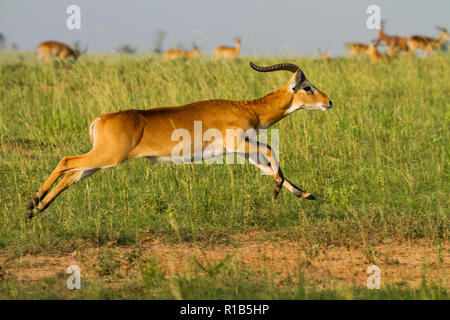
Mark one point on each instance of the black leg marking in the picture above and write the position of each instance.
(277, 188)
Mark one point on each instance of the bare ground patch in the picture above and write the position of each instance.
(406, 263)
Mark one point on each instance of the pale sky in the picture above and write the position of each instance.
(279, 27)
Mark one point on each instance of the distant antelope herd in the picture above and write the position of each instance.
(49, 49)
(396, 45)
(173, 54)
(220, 52)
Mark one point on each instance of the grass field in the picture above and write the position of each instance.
(377, 163)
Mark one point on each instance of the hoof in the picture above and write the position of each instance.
(276, 191)
(31, 213)
(33, 203)
(308, 196)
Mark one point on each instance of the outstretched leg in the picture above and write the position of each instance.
(261, 155)
(74, 168)
(68, 179)
(111, 147)
(266, 168)
(67, 163)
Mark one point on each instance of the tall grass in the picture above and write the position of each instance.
(377, 162)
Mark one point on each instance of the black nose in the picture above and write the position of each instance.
(330, 103)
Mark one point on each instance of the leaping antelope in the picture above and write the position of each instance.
(229, 52)
(356, 49)
(427, 43)
(129, 134)
(178, 54)
(48, 49)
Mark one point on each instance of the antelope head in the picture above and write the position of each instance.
(195, 52)
(304, 94)
(78, 51)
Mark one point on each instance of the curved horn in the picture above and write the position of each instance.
(281, 66)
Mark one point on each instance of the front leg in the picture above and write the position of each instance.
(262, 156)
(266, 168)
(262, 153)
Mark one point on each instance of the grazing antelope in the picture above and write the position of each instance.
(356, 49)
(229, 52)
(427, 43)
(49, 49)
(124, 135)
(178, 54)
(394, 43)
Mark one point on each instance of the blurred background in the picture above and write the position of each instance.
(283, 27)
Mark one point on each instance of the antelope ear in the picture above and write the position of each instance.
(296, 80)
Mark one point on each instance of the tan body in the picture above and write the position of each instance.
(356, 49)
(173, 54)
(49, 49)
(124, 135)
(427, 43)
(228, 52)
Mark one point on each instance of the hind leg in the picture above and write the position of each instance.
(68, 179)
(75, 168)
(57, 172)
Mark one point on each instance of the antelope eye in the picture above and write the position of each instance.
(307, 88)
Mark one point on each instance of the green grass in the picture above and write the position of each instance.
(377, 162)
